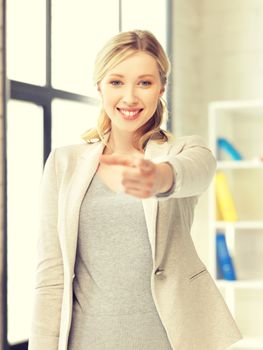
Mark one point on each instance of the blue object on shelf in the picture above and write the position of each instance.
(229, 148)
(224, 260)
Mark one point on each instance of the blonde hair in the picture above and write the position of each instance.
(117, 49)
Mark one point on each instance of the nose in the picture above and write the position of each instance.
(130, 97)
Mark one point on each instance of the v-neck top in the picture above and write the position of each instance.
(113, 308)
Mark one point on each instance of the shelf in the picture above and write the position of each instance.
(241, 123)
(239, 164)
(249, 343)
(239, 105)
(251, 225)
(245, 284)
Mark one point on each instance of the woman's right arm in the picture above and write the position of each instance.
(45, 327)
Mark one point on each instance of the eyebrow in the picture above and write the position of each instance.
(140, 76)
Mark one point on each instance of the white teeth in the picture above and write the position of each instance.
(129, 113)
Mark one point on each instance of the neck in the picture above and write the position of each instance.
(121, 142)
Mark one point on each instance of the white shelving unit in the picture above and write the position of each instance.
(241, 123)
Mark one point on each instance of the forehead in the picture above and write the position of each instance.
(140, 63)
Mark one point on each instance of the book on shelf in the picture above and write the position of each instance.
(225, 265)
(225, 202)
(229, 148)
(218, 212)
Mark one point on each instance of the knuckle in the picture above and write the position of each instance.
(150, 185)
(124, 174)
(146, 193)
(142, 162)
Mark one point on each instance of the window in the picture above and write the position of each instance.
(24, 168)
(26, 35)
(69, 120)
(78, 32)
(136, 15)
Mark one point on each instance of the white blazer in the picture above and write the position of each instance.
(189, 304)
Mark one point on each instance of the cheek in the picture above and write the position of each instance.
(109, 99)
(153, 101)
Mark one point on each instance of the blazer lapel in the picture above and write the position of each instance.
(86, 167)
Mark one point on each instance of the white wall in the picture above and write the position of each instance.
(232, 46)
(218, 55)
(186, 66)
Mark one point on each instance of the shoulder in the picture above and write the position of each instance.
(188, 139)
(71, 153)
(178, 144)
(74, 150)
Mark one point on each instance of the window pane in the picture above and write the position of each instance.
(26, 41)
(24, 171)
(70, 120)
(136, 15)
(79, 29)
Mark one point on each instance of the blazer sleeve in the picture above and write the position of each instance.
(48, 292)
(193, 165)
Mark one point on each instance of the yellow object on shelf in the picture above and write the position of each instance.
(218, 212)
(225, 202)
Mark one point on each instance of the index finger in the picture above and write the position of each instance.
(114, 159)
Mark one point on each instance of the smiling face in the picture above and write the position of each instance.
(130, 92)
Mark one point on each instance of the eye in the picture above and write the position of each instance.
(115, 82)
(145, 83)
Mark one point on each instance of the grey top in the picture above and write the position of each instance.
(113, 308)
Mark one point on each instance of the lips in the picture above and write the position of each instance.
(130, 113)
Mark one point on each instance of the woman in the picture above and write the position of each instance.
(117, 268)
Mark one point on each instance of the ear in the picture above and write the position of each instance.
(162, 91)
(98, 88)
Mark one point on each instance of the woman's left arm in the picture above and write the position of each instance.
(193, 167)
(185, 171)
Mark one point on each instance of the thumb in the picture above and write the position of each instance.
(146, 166)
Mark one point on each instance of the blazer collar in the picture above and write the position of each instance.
(85, 170)
(152, 150)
